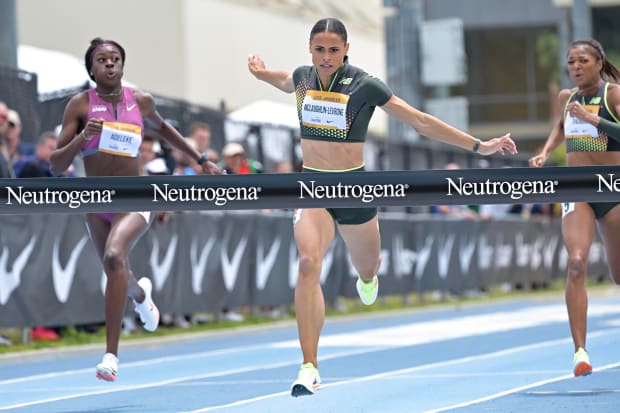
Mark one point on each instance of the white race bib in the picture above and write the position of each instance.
(576, 127)
(327, 110)
(120, 139)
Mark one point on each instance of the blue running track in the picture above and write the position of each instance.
(509, 356)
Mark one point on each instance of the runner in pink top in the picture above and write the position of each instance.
(127, 111)
(105, 125)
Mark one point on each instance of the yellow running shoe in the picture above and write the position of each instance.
(581, 361)
(308, 381)
(368, 290)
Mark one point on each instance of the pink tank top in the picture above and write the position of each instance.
(123, 131)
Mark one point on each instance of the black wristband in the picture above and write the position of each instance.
(203, 158)
(476, 146)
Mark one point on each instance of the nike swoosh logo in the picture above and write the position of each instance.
(63, 277)
(10, 281)
(130, 107)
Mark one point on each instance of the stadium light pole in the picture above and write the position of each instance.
(8, 33)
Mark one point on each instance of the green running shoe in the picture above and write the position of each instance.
(368, 290)
(308, 381)
(581, 361)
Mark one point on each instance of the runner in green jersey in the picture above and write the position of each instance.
(335, 102)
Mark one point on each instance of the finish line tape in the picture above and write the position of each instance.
(310, 190)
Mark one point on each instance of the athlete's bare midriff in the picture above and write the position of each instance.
(592, 158)
(327, 155)
(104, 164)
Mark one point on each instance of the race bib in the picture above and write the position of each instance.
(326, 110)
(120, 138)
(577, 127)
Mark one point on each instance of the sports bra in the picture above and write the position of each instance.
(580, 135)
(122, 131)
(341, 113)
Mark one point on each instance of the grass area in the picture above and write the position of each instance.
(343, 307)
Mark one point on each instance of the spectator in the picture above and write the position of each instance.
(41, 159)
(6, 170)
(184, 163)
(150, 149)
(234, 160)
(16, 148)
(200, 132)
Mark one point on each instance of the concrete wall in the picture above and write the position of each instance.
(189, 49)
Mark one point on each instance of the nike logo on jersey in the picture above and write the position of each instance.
(130, 107)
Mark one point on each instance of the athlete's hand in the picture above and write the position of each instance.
(577, 110)
(211, 168)
(256, 65)
(93, 127)
(538, 160)
(501, 144)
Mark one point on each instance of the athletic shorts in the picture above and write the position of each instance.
(600, 208)
(348, 216)
(109, 216)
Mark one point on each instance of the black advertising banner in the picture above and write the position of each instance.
(50, 273)
(310, 190)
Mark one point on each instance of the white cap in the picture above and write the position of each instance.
(233, 148)
(14, 117)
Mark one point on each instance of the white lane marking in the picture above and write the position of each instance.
(147, 362)
(458, 327)
(515, 390)
(172, 381)
(388, 374)
(524, 318)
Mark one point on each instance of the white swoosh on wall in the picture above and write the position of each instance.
(9, 281)
(161, 271)
(199, 263)
(63, 277)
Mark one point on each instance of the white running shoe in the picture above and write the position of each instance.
(149, 314)
(581, 363)
(308, 381)
(106, 370)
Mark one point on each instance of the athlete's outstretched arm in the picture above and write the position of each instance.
(435, 128)
(170, 134)
(281, 79)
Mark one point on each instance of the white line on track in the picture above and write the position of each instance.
(515, 390)
(409, 370)
(165, 382)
